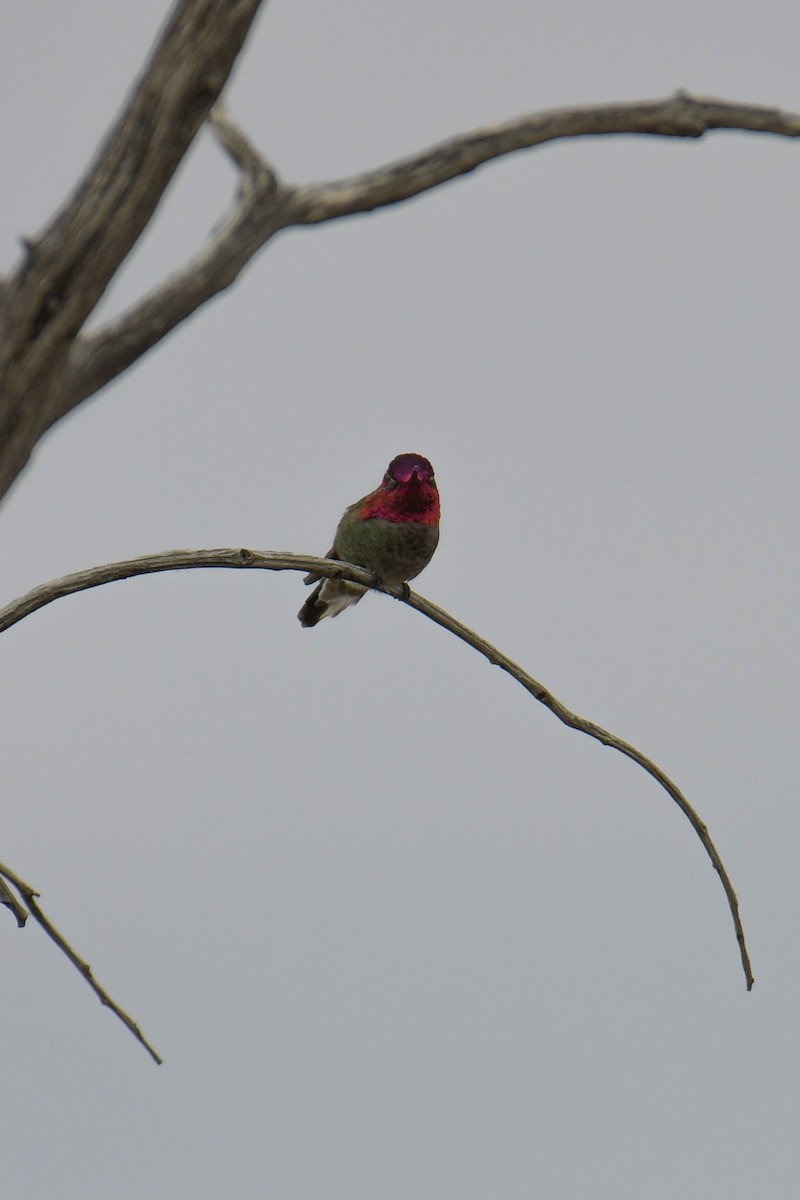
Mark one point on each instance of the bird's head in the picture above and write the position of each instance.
(407, 492)
(409, 468)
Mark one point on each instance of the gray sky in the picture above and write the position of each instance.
(397, 933)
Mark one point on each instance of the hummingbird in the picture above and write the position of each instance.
(392, 532)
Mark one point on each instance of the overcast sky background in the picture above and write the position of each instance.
(398, 934)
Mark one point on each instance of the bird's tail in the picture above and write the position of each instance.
(328, 599)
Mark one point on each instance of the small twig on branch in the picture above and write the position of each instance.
(30, 898)
(178, 560)
(258, 177)
(9, 900)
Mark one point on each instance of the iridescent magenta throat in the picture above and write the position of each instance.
(416, 500)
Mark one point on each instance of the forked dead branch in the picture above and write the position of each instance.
(48, 366)
(266, 204)
(181, 560)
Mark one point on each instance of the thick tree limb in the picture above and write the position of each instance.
(66, 270)
(179, 560)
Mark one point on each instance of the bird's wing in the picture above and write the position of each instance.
(313, 576)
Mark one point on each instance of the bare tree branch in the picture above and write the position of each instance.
(179, 560)
(30, 898)
(266, 205)
(65, 271)
(680, 116)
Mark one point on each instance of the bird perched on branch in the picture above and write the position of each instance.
(392, 532)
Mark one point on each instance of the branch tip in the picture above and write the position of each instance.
(30, 896)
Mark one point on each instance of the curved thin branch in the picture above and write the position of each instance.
(31, 898)
(546, 697)
(266, 205)
(179, 560)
